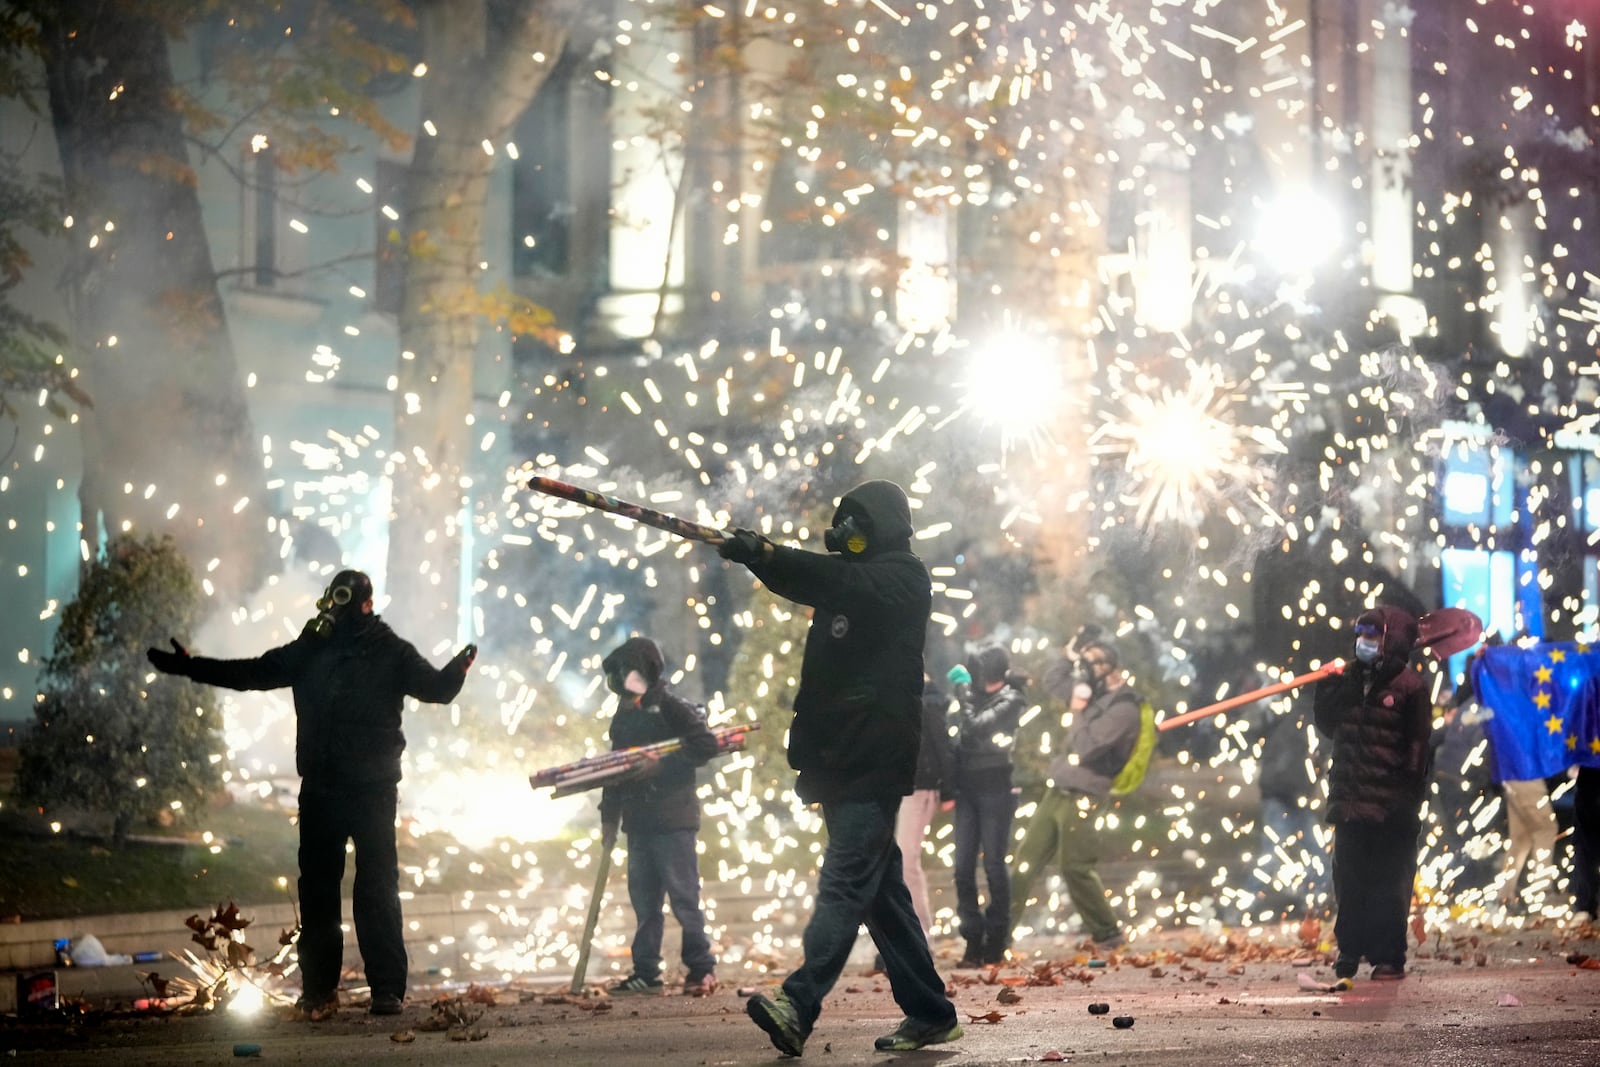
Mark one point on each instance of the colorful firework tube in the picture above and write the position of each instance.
(1255, 694)
(691, 531)
(606, 768)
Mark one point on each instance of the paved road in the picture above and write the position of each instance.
(1524, 1003)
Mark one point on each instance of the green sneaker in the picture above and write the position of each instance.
(912, 1034)
(779, 1019)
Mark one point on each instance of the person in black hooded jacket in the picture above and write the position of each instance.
(660, 813)
(990, 705)
(350, 674)
(854, 741)
(1379, 719)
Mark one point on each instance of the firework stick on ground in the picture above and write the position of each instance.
(1255, 694)
(602, 871)
(692, 531)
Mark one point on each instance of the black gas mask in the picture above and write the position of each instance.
(340, 602)
(848, 534)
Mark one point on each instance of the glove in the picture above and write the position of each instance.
(958, 675)
(174, 662)
(463, 659)
(744, 546)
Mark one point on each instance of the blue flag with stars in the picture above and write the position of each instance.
(1546, 704)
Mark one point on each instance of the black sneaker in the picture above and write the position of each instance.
(700, 985)
(385, 1004)
(1346, 966)
(779, 1019)
(911, 1035)
(1388, 972)
(637, 984)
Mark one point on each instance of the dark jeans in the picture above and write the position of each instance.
(983, 825)
(329, 818)
(1374, 866)
(1586, 842)
(862, 881)
(662, 865)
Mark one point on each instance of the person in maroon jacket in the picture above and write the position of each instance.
(1379, 719)
(350, 674)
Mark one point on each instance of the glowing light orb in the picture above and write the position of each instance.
(1015, 383)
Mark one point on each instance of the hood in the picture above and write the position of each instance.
(989, 666)
(1399, 630)
(885, 506)
(636, 654)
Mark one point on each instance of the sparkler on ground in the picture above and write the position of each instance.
(609, 768)
(692, 531)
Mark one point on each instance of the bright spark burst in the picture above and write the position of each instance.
(1185, 449)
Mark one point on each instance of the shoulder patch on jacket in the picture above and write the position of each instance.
(840, 627)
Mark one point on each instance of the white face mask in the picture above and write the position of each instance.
(1367, 649)
(635, 683)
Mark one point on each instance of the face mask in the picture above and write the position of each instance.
(633, 683)
(846, 536)
(1368, 649)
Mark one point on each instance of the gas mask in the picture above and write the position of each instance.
(847, 535)
(347, 588)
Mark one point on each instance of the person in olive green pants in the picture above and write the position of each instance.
(1105, 726)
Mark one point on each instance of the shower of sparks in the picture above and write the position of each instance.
(1183, 448)
(1022, 114)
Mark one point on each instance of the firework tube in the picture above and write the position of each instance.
(602, 871)
(609, 767)
(1255, 694)
(691, 531)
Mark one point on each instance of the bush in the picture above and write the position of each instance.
(111, 737)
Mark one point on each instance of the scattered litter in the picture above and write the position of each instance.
(1123, 1022)
(245, 1048)
(403, 1037)
(1099, 1009)
(1311, 985)
(1007, 995)
(1053, 1056)
(1508, 1000)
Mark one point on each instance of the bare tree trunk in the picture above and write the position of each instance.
(482, 74)
(169, 406)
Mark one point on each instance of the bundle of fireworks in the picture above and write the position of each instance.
(609, 768)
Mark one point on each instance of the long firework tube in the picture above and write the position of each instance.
(692, 531)
(602, 871)
(1255, 694)
(606, 767)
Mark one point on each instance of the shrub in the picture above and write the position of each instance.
(111, 737)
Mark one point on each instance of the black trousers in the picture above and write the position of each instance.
(1586, 842)
(329, 818)
(1374, 866)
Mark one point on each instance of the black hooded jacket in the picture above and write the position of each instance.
(986, 724)
(858, 713)
(667, 800)
(349, 691)
(935, 754)
(1379, 720)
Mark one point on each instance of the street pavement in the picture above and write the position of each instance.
(1510, 998)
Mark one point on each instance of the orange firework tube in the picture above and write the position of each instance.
(1255, 694)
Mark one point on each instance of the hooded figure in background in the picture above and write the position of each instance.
(350, 674)
(990, 706)
(660, 813)
(1378, 719)
(854, 741)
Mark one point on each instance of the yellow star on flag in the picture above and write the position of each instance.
(1541, 699)
(1594, 746)
(1553, 724)
(1558, 655)
(1543, 674)
(1572, 742)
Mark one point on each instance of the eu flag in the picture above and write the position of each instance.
(1546, 704)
